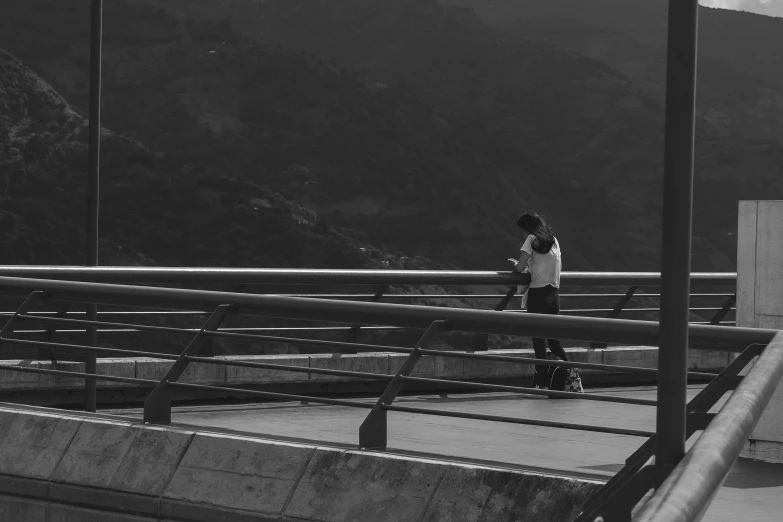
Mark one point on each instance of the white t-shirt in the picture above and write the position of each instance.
(544, 268)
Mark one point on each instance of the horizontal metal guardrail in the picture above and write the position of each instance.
(466, 320)
(736, 419)
(340, 312)
(380, 281)
(158, 405)
(176, 275)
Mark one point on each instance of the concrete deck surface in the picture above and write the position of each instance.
(752, 492)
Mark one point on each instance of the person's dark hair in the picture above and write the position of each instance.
(534, 224)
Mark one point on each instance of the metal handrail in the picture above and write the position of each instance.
(688, 491)
(283, 276)
(725, 434)
(466, 320)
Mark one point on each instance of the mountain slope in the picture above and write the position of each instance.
(370, 156)
(740, 89)
(149, 215)
(581, 102)
(417, 123)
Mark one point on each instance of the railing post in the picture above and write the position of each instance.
(480, 340)
(96, 43)
(373, 431)
(677, 221)
(157, 407)
(353, 334)
(615, 313)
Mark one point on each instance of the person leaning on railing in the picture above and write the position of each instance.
(540, 255)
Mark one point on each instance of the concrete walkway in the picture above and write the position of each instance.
(752, 492)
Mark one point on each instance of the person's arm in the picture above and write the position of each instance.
(519, 265)
(524, 256)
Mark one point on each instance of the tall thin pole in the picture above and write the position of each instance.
(677, 221)
(96, 34)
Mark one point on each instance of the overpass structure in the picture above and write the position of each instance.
(97, 467)
(52, 303)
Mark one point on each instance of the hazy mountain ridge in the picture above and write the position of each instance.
(590, 122)
(451, 127)
(148, 217)
(740, 91)
(337, 141)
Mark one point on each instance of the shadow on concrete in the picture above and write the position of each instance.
(752, 474)
(746, 474)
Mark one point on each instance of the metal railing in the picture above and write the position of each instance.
(613, 502)
(688, 491)
(386, 285)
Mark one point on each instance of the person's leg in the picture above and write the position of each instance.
(557, 349)
(539, 370)
(536, 305)
(551, 303)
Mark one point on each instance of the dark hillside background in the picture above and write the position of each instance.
(353, 133)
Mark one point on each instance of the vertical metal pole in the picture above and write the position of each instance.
(677, 219)
(96, 33)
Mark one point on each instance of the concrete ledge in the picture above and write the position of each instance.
(357, 486)
(362, 362)
(381, 363)
(122, 457)
(763, 450)
(33, 445)
(27, 510)
(22, 509)
(240, 375)
(95, 469)
(239, 473)
(472, 493)
(11, 380)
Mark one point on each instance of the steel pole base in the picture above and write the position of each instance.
(157, 407)
(373, 431)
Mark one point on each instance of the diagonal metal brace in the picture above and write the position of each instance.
(157, 407)
(33, 299)
(373, 431)
(718, 317)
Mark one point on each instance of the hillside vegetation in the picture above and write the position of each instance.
(152, 214)
(423, 127)
(576, 89)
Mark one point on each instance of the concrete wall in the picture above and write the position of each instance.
(760, 304)
(82, 467)
(380, 363)
(760, 264)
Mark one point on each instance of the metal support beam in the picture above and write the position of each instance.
(33, 299)
(373, 432)
(96, 30)
(96, 34)
(677, 221)
(718, 317)
(157, 407)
